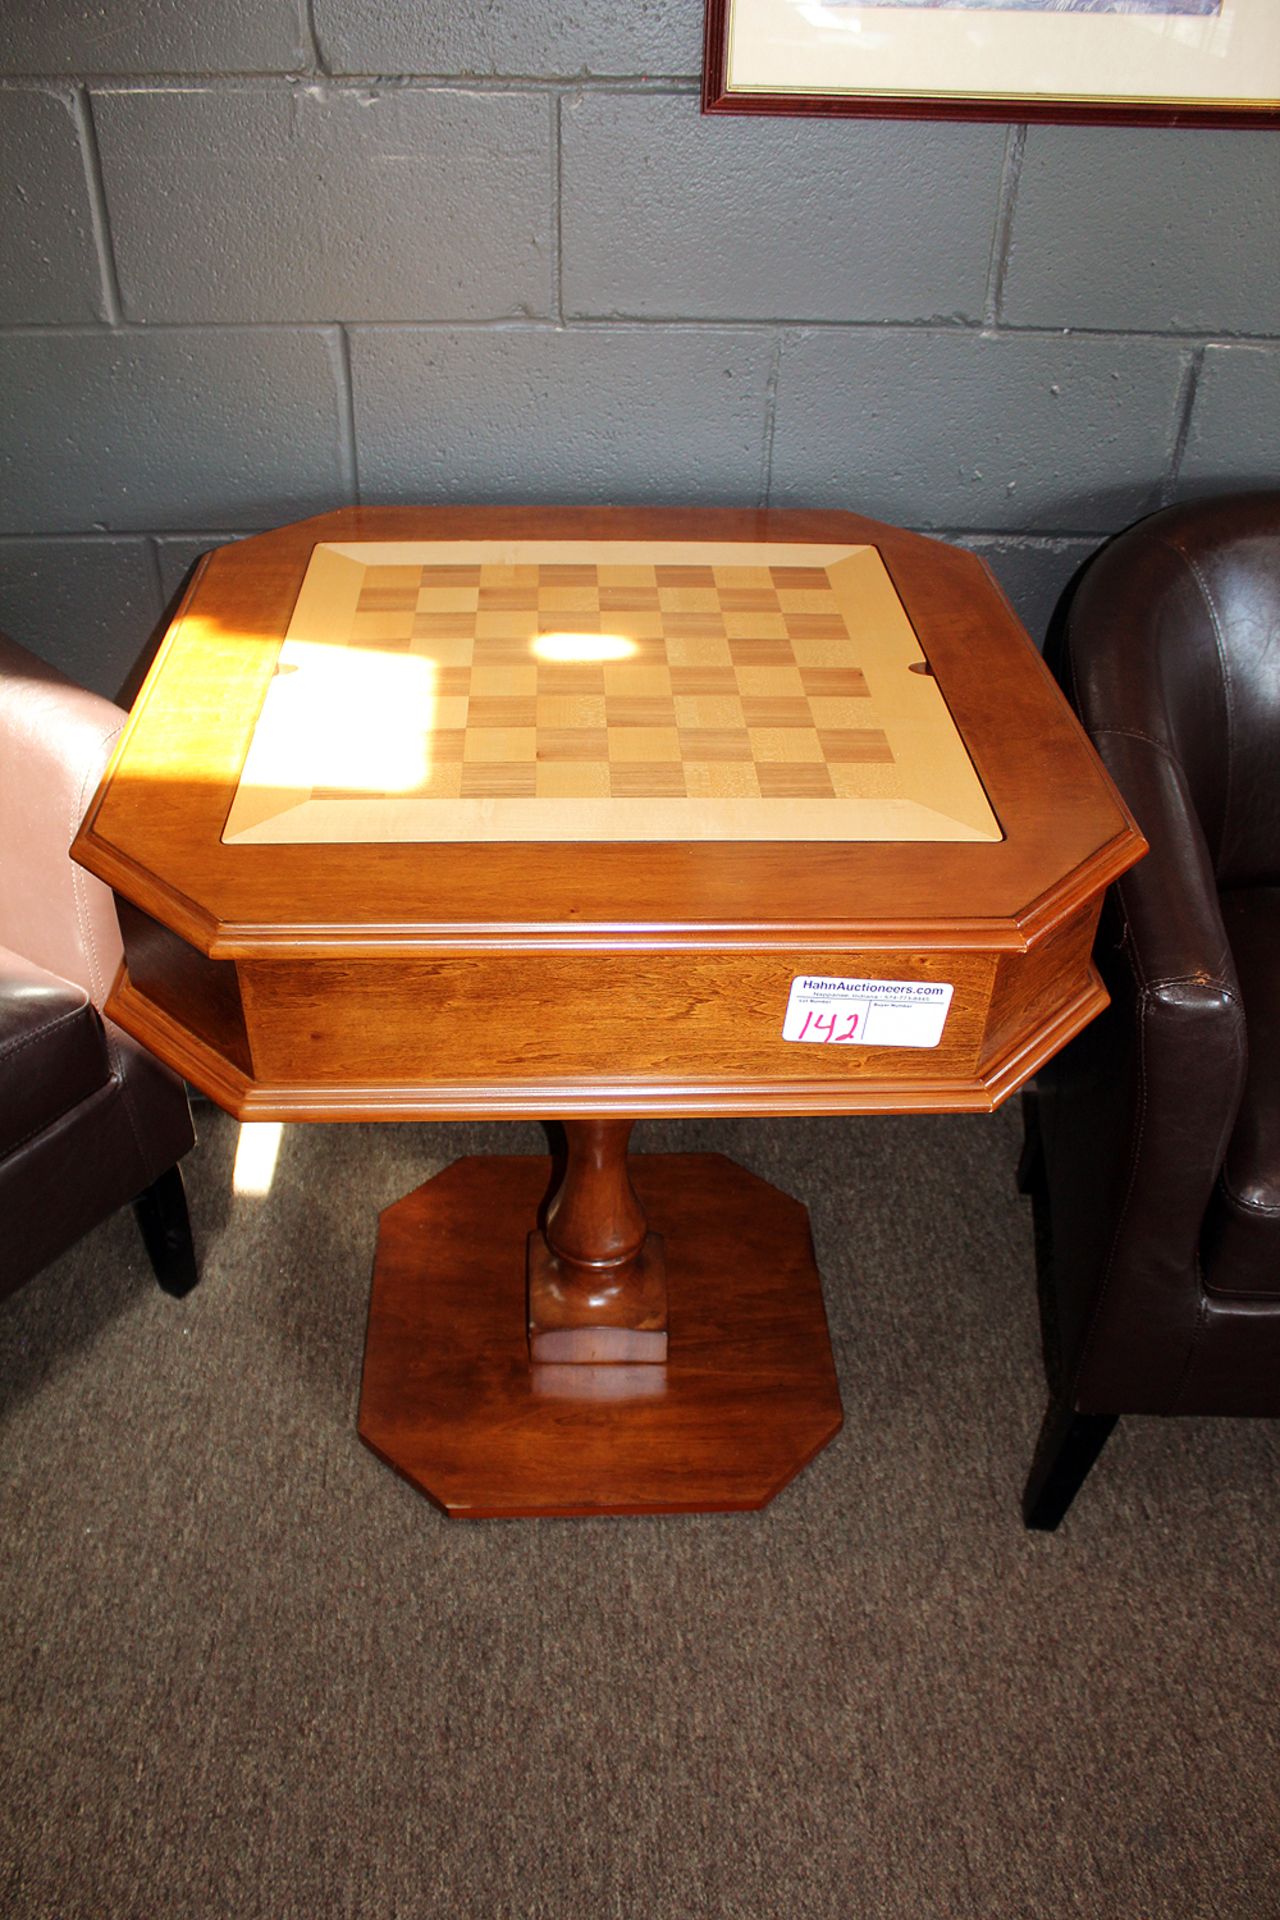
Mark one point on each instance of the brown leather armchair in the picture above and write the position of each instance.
(88, 1120)
(1153, 1141)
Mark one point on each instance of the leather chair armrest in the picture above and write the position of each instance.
(55, 739)
(1175, 967)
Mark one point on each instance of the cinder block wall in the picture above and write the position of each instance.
(263, 257)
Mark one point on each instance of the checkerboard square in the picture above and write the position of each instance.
(703, 680)
(493, 745)
(639, 710)
(708, 710)
(785, 745)
(836, 683)
(781, 780)
(575, 678)
(684, 576)
(833, 714)
(628, 599)
(502, 710)
(570, 710)
(572, 780)
(765, 683)
(714, 743)
(773, 711)
(849, 743)
(497, 780)
(643, 780)
(643, 743)
(503, 682)
(814, 578)
(573, 743)
(721, 779)
(626, 679)
(563, 600)
(449, 714)
(508, 599)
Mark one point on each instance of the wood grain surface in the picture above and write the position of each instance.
(747, 1398)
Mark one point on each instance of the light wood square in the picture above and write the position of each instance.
(568, 600)
(795, 744)
(709, 651)
(445, 652)
(527, 575)
(638, 623)
(449, 713)
(448, 599)
(865, 780)
(839, 713)
(444, 782)
(626, 677)
(688, 599)
(754, 626)
(626, 577)
(392, 577)
(653, 744)
(708, 710)
(721, 779)
(744, 577)
(570, 710)
(823, 653)
(495, 745)
(572, 780)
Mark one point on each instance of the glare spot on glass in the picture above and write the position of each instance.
(584, 647)
(256, 1154)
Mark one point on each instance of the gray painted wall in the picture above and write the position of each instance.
(245, 278)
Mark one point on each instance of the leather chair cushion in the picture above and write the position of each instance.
(1242, 1231)
(53, 1051)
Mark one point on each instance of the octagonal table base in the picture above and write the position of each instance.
(450, 1398)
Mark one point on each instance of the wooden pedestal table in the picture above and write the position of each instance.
(587, 815)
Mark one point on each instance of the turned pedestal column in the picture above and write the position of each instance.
(597, 1276)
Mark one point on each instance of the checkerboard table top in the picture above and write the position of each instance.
(608, 691)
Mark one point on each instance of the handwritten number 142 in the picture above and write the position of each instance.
(835, 1027)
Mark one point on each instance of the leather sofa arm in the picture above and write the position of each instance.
(55, 739)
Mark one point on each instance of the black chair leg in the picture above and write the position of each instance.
(161, 1213)
(1069, 1444)
(1030, 1174)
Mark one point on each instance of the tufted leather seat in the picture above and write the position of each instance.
(88, 1120)
(1153, 1144)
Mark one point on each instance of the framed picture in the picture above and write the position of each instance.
(1171, 62)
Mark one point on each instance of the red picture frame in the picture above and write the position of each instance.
(735, 43)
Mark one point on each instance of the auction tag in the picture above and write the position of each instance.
(867, 1013)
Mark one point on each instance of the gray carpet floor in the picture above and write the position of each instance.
(249, 1672)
